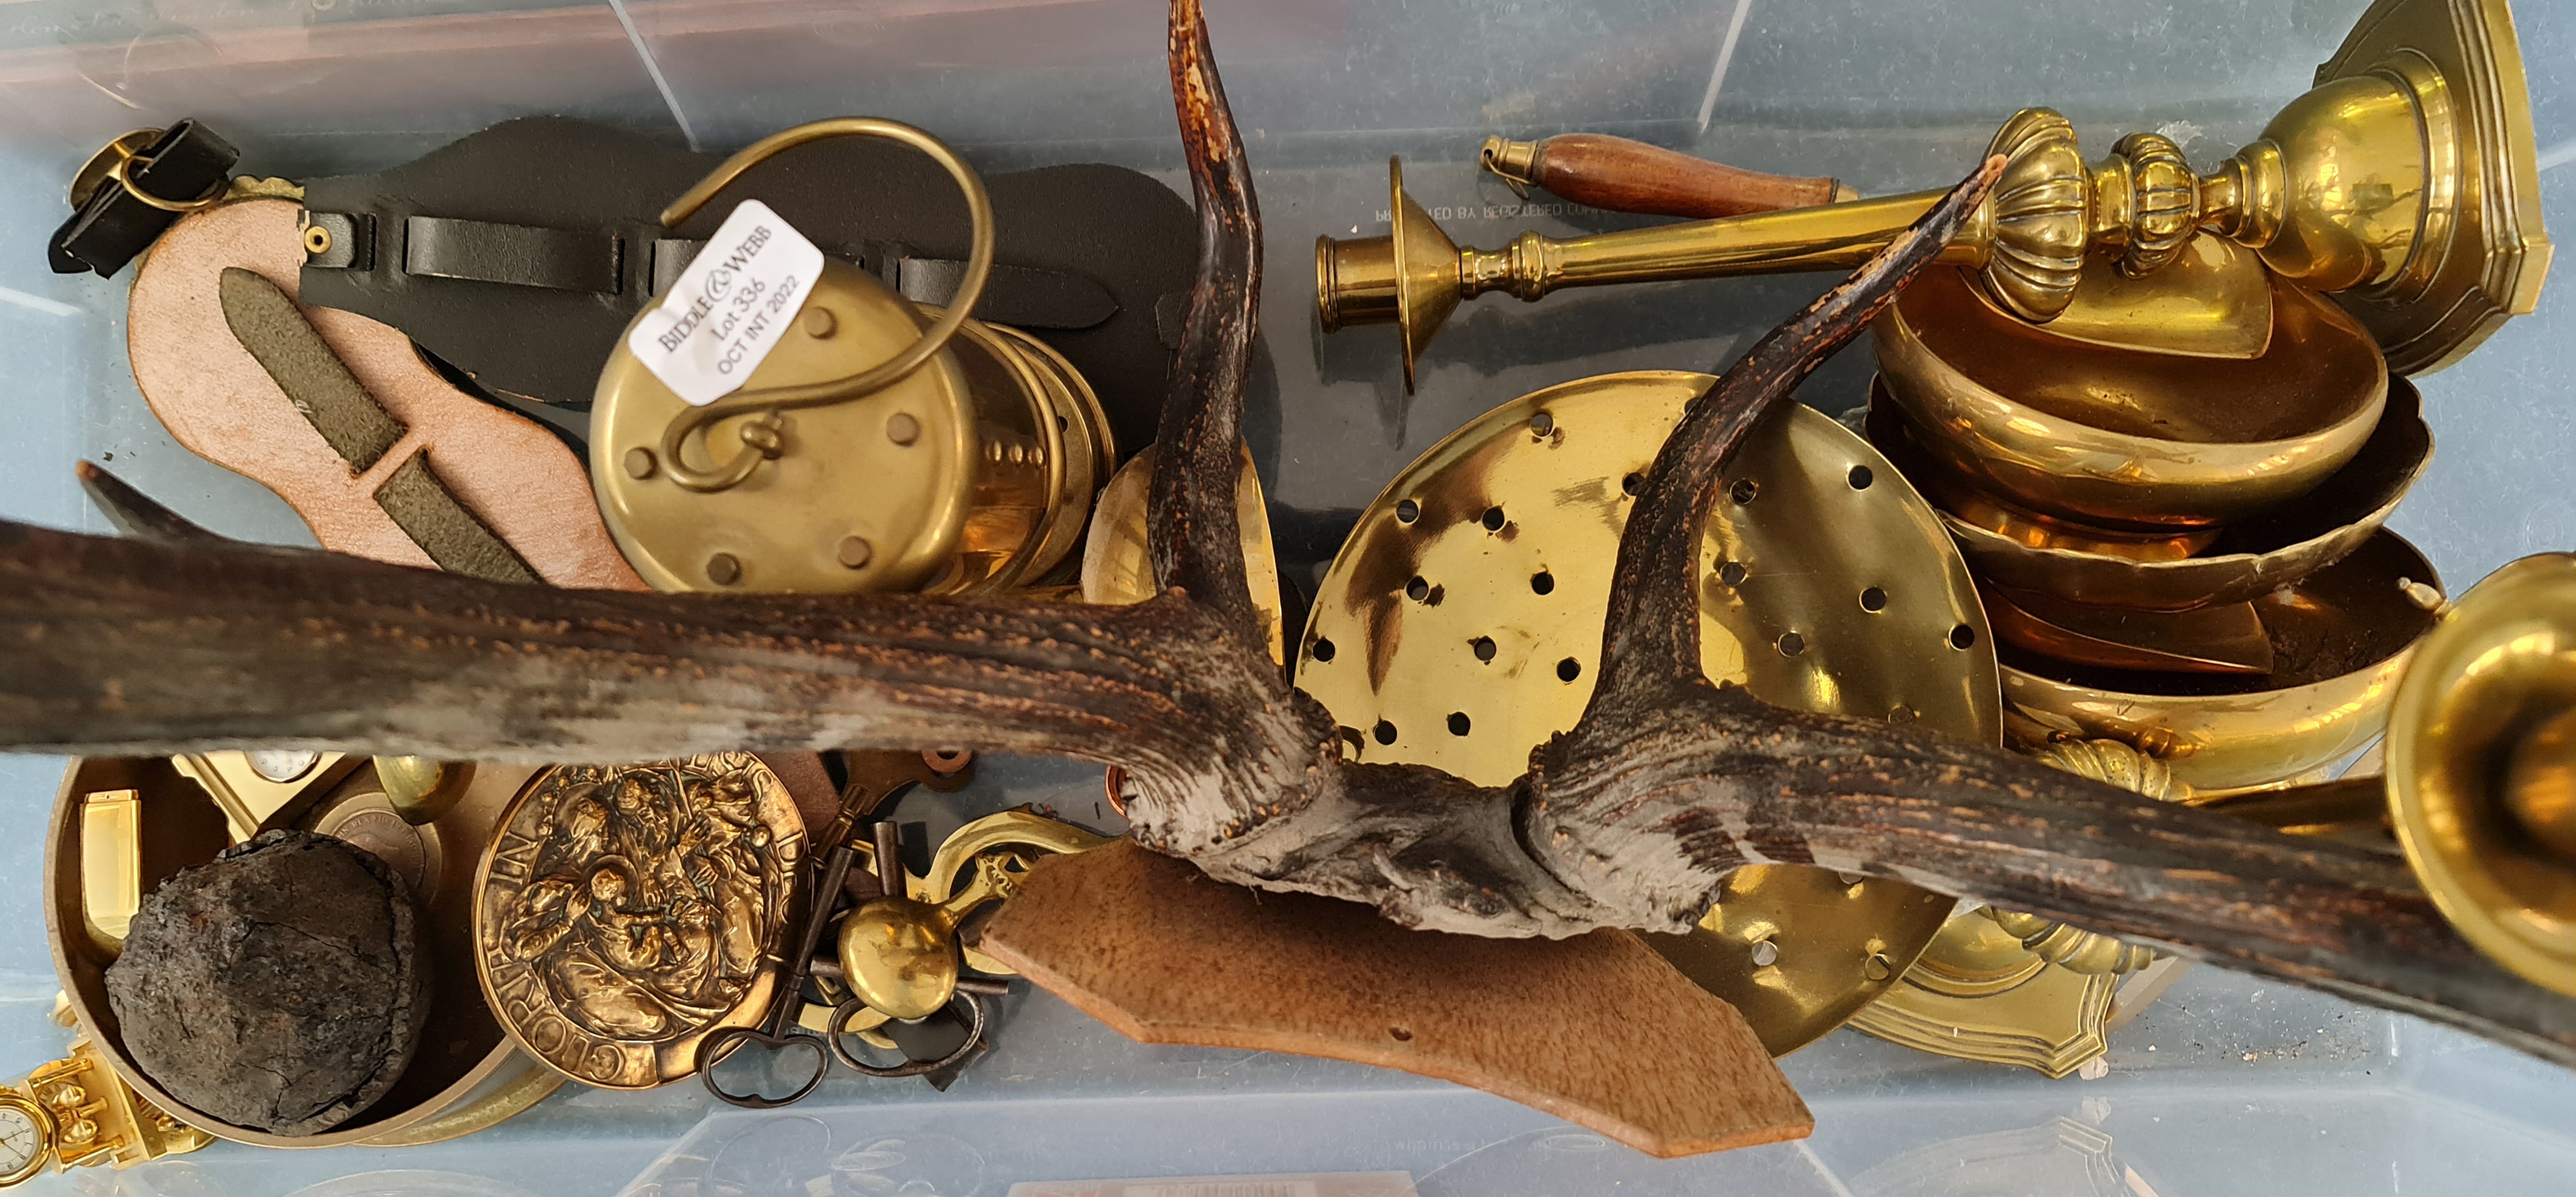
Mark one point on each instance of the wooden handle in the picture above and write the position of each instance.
(1631, 176)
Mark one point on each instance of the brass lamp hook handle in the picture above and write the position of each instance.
(760, 437)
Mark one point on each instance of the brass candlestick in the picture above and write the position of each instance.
(2405, 181)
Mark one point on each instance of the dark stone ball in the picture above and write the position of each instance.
(280, 987)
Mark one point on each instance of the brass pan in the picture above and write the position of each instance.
(2341, 638)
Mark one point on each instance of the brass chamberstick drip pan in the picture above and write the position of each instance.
(1461, 627)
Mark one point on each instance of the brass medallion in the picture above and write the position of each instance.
(623, 913)
(1461, 626)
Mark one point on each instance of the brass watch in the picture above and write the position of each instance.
(74, 1112)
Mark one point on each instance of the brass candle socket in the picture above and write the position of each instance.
(2405, 180)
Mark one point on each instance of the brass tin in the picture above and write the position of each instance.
(1461, 626)
(970, 475)
(462, 1048)
(2245, 562)
(2484, 712)
(2341, 638)
(2124, 439)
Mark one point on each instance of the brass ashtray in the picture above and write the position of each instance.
(2340, 639)
(2244, 561)
(1461, 626)
(2125, 439)
(466, 1074)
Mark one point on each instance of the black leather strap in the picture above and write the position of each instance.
(517, 254)
(1086, 253)
(1024, 297)
(186, 162)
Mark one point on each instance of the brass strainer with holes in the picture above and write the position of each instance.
(1461, 626)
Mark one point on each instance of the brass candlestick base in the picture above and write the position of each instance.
(2405, 181)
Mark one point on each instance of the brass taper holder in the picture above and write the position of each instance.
(2405, 181)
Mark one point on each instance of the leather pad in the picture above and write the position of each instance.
(516, 477)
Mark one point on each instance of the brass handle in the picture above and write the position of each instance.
(1621, 175)
(760, 438)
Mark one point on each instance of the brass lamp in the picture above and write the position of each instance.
(2405, 182)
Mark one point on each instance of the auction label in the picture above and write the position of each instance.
(729, 307)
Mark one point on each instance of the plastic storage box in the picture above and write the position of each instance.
(2228, 1085)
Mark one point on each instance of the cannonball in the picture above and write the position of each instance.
(280, 987)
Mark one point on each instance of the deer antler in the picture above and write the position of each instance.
(1667, 782)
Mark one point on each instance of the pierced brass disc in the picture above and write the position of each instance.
(1461, 627)
(970, 475)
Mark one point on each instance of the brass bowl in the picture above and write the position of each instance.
(465, 1075)
(2340, 640)
(2244, 562)
(2124, 439)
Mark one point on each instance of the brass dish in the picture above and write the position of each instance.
(1461, 627)
(1960, 501)
(2482, 767)
(2245, 562)
(2340, 639)
(2125, 439)
(182, 826)
(1115, 566)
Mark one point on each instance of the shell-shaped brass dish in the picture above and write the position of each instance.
(456, 1083)
(1461, 626)
(2126, 439)
(2245, 562)
(2341, 638)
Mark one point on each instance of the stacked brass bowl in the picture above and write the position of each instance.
(2181, 556)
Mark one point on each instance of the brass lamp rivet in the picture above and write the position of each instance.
(1765, 954)
(640, 463)
(724, 569)
(820, 323)
(1878, 967)
(856, 552)
(903, 428)
(317, 239)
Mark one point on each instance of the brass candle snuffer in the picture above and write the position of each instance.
(2405, 182)
(867, 453)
